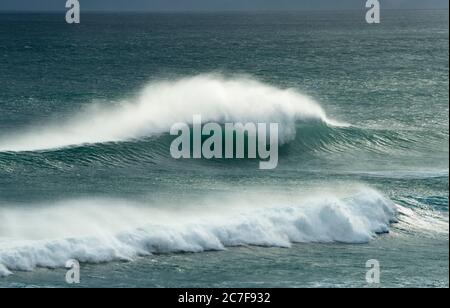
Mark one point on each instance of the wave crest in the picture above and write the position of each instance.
(162, 104)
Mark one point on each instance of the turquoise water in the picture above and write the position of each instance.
(86, 173)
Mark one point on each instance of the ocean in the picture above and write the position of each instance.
(86, 172)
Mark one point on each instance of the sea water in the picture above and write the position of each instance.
(86, 171)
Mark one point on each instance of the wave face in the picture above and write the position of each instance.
(162, 104)
(310, 140)
(105, 230)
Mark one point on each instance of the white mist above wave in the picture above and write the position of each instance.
(101, 231)
(162, 104)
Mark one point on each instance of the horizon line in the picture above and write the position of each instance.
(221, 11)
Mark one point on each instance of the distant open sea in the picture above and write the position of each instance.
(86, 172)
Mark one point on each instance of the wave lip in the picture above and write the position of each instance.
(101, 231)
(162, 104)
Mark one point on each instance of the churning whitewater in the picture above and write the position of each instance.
(107, 230)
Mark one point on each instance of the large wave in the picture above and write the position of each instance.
(162, 104)
(313, 140)
(105, 230)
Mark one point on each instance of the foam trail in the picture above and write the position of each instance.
(162, 104)
(423, 221)
(101, 231)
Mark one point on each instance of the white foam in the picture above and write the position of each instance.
(4, 271)
(162, 104)
(101, 230)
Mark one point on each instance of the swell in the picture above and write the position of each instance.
(311, 138)
(426, 214)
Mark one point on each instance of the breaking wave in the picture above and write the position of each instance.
(162, 104)
(107, 230)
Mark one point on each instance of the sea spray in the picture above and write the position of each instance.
(162, 104)
(105, 230)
